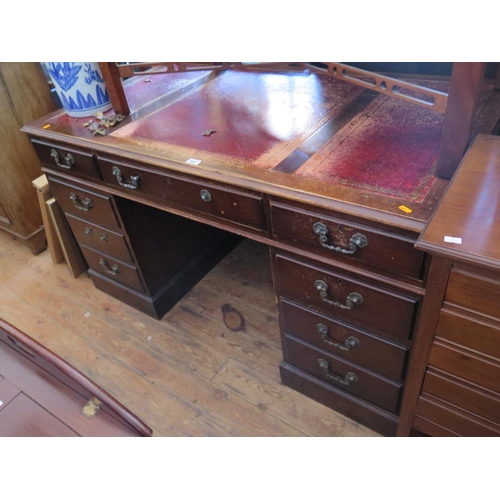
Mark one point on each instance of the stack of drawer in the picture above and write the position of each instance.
(461, 390)
(95, 222)
(346, 337)
(146, 257)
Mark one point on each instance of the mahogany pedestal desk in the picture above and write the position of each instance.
(338, 180)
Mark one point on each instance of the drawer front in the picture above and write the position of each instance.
(458, 393)
(465, 364)
(475, 293)
(342, 402)
(239, 207)
(343, 241)
(350, 378)
(448, 417)
(357, 303)
(478, 336)
(93, 207)
(69, 160)
(102, 240)
(112, 268)
(352, 344)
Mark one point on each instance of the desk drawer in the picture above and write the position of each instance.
(115, 269)
(65, 159)
(354, 345)
(483, 337)
(457, 392)
(465, 364)
(347, 299)
(350, 378)
(239, 207)
(343, 241)
(453, 419)
(477, 293)
(100, 239)
(93, 207)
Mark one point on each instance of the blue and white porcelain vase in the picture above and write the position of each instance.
(80, 86)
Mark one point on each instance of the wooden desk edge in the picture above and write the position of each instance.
(114, 406)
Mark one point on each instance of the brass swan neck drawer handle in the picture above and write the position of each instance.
(133, 183)
(69, 161)
(114, 270)
(84, 205)
(358, 240)
(349, 378)
(349, 344)
(352, 299)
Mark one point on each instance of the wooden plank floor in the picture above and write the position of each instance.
(187, 375)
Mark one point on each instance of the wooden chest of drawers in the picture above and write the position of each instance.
(345, 336)
(461, 389)
(455, 373)
(142, 270)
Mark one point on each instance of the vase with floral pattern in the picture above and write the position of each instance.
(80, 86)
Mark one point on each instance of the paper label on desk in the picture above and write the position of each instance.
(452, 239)
(193, 161)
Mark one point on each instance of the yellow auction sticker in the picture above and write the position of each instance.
(406, 210)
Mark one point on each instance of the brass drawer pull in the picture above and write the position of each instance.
(347, 380)
(133, 183)
(205, 195)
(358, 240)
(352, 300)
(114, 270)
(348, 344)
(85, 205)
(69, 161)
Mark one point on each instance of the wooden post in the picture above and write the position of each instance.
(424, 336)
(114, 87)
(70, 249)
(42, 187)
(466, 79)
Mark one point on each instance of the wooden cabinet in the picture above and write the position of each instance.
(24, 96)
(457, 371)
(146, 257)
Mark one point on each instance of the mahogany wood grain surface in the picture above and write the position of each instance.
(382, 251)
(76, 161)
(91, 205)
(480, 294)
(102, 239)
(472, 332)
(463, 394)
(368, 386)
(381, 311)
(470, 209)
(454, 419)
(372, 352)
(466, 364)
(242, 207)
(462, 105)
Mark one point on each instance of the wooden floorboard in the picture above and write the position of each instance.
(186, 375)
